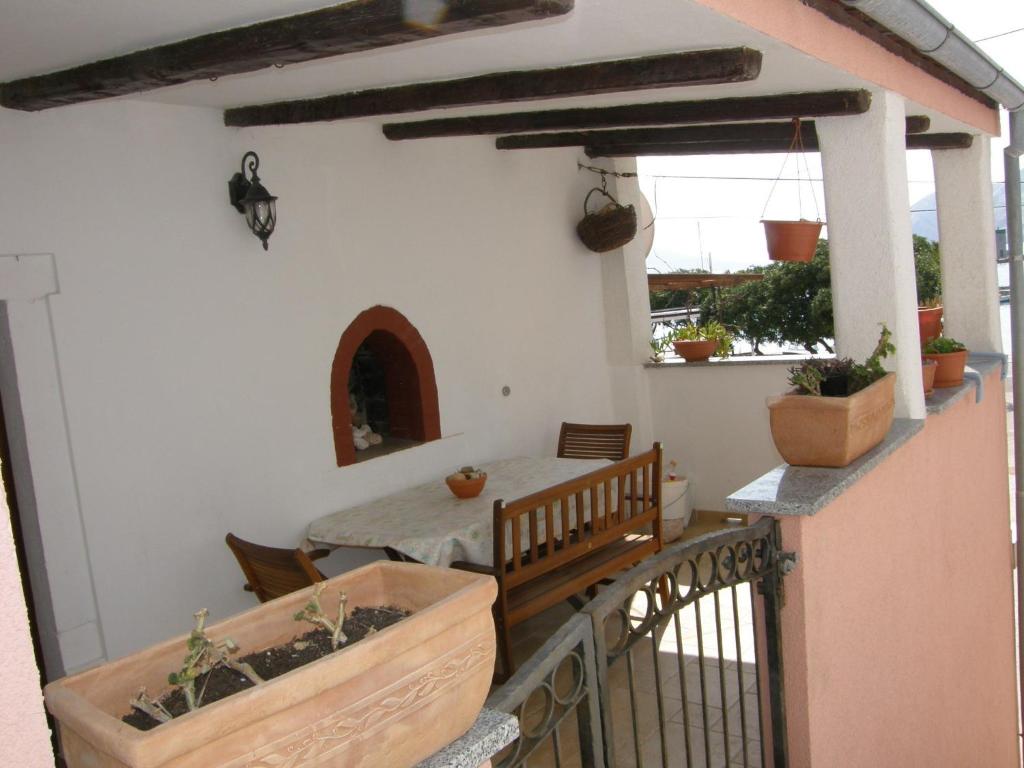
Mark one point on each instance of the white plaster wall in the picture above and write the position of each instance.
(196, 367)
(24, 736)
(712, 419)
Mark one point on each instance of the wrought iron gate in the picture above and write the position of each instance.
(664, 667)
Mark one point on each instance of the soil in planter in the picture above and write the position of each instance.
(315, 644)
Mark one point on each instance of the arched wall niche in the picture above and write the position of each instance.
(408, 378)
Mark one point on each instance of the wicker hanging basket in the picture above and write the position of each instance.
(610, 227)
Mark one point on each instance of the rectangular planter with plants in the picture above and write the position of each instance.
(393, 698)
(839, 411)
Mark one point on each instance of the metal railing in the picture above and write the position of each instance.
(679, 671)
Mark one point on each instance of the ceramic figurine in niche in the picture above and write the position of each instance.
(363, 435)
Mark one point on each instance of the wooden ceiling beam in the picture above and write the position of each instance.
(688, 281)
(352, 26)
(776, 132)
(719, 132)
(918, 123)
(720, 65)
(932, 141)
(776, 107)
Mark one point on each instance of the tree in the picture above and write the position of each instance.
(928, 267)
(792, 304)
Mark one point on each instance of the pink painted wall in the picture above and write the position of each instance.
(24, 735)
(898, 623)
(812, 32)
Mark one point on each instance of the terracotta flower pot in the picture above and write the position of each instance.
(812, 431)
(393, 698)
(463, 488)
(929, 323)
(791, 240)
(695, 351)
(928, 368)
(950, 369)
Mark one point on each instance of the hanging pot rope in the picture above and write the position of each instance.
(796, 144)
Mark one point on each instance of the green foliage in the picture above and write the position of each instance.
(811, 374)
(792, 304)
(928, 270)
(710, 331)
(943, 346)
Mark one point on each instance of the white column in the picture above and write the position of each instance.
(863, 160)
(43, 467)
(627, 313)
(970, 288)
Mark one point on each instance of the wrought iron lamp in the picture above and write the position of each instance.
(250, 197)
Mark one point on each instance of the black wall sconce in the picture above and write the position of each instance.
(251, 198)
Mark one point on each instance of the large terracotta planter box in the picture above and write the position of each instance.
(811, 431)
(391, 699)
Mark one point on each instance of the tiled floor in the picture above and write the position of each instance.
(688, 700)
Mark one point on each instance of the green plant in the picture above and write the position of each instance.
(711, 331)
(314, 614)
(812, 373)
(943, 346)
(204, 655)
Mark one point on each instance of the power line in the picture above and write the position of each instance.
(1001, 34)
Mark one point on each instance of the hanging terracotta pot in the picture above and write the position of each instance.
(610, 227)
(791, 240)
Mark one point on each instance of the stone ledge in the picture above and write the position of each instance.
(491, 732)
(790, 490)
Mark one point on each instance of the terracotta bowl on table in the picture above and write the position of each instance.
(466, 488)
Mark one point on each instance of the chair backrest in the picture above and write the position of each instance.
(594, 441)
(272, 572)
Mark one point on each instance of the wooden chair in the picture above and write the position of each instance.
(271, 572)
(594, 441)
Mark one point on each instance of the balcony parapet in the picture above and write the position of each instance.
(803, 491)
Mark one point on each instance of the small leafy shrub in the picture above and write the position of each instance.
(711, 331)
(943, 346)
(841, 377)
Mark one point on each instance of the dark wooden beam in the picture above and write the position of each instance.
(688, 281)
(933, 141)
(721, 65)
(353, 26)
(780, 106)
(775, 132)
(918, 123)
(734, 147)
(940, 141)
(720, 132)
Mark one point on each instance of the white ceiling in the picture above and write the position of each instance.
(38, 36)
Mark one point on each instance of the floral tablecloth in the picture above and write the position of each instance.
(429, 523)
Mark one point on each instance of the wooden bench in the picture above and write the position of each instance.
(565, 539)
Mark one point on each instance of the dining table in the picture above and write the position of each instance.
(430, 524)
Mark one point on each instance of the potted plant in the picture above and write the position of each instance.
(393, 698)
(929, 320)
(838, 412)
(928, 368)
(951, 357)
(697, 343)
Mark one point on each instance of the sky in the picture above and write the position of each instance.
(708, 209)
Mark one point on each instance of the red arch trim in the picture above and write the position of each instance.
(425, 422)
